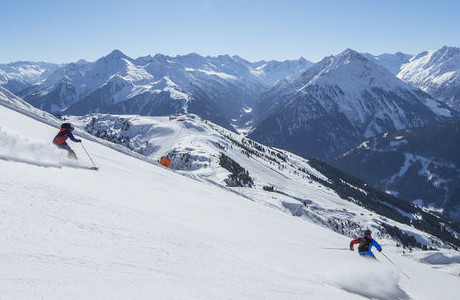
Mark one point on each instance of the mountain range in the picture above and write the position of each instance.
(217, 88)
(223, 89)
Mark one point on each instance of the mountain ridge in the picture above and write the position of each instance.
(419, 165)
(346, 97)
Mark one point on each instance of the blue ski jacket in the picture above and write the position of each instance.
(365, 245)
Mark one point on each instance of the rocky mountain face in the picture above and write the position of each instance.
(437, 73)
(420, 165)
(338, 103)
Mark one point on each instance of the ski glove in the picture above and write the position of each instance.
(78, 141)
(380, 250)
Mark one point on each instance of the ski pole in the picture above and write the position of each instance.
(395, 265)
(333, 248)
(89, 156)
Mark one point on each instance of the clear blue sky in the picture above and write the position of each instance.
(67, 30)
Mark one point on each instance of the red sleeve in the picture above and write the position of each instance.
(353, 242)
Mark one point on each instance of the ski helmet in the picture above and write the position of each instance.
(66, 126)
(367, 232)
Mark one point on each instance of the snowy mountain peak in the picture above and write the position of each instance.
(144, 60)
(353, 73)
(239, 59)
(444, 54)
(191, 56)
(437, 73)
(112, 63)
(116, 54)
(82, 62)
(349, 55)
(435, 61)
(115, 57)
(302, 59)
(193, 60)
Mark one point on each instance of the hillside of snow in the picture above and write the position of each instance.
(209, 153)
(135, 229)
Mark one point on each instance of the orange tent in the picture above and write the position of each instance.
(165, 161)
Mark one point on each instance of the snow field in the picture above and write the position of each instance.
(134, 230)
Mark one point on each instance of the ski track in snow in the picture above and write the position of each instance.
(377, 281)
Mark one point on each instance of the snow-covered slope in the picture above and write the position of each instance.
(437, 72)
(11, 101)
(137, 230)
(339, 102)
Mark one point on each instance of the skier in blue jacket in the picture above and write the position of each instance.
(60, 139)
(366, 242)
